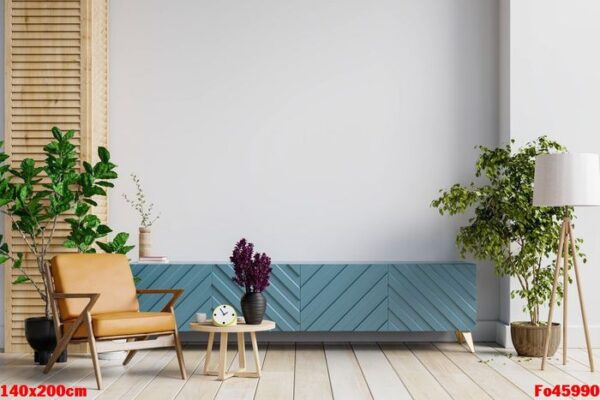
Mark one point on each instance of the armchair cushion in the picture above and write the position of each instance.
(125, 323)
(106, 274)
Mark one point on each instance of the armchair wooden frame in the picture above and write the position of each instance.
(107, 344)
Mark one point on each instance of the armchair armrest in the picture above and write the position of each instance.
(92, 296)
(176, 293)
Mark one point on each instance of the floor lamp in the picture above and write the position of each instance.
(567, 180)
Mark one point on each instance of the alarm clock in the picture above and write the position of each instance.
(224, 315)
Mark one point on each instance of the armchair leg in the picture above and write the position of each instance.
(61, 346)
(93, 351)
(180, 355)
(132, 353)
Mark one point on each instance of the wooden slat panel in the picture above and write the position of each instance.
(46, 35)
(62, 43)
(49, 80)
(46, 112)
(45, 28)
(46, 73)
(46, 81)
(32, 134)
(46, 12)
(55, 20)
(46, 96)
(58, 66)
(46, 50)
(32, 5)
(42, 126)
(41, 119)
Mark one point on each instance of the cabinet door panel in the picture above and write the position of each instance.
(432, 297)
(343, 297)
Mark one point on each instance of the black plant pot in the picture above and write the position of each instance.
(39, 332)
(253, 307)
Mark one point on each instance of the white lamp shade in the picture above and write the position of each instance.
(567, 179)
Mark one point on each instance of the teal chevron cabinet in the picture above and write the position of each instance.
(330, 297)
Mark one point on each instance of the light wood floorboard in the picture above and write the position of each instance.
(277, 381)
(242, 388)
(347, 380)
(381, 377)
(128, 385)
(312, 376)
(316, 371)
(421, 384)
(204, 387)
(168, 382)
(550, 374)
(503, 364)
(493, 383)
(455, 381)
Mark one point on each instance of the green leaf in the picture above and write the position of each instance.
(125, 249)
(20, 279)
(70, 244)
(107, 247)
(104, 154)
(3, 259)
(88, 167)
(103, 229)
(120, 239)
(81, 209)
(69, 135)
(56, 133)
(105, 184)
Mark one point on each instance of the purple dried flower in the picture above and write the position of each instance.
(251, 271)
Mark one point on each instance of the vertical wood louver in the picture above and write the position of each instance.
(55, 75)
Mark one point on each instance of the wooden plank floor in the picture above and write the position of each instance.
(317, 371)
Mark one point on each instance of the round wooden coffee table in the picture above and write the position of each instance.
(239, 329)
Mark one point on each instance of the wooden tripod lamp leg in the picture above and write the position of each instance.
(565, 301)
(561, 243)
(581, 303)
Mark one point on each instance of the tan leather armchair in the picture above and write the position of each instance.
(94, 300)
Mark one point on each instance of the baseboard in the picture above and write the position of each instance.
(485, 331)
(575, 332)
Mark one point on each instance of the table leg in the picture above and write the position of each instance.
(209, 346)
(223, 355)
(255, 351)
(241, 350)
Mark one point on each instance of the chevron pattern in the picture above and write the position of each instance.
(343, 297)
(329, 297)
(194, 279)
(283, 294)
(432, 297)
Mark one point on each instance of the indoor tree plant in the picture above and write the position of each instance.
(252, 272)
(35, 198)
(509, 230)
(147, 218)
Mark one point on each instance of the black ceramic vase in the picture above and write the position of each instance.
(253, 307)
(39, 332)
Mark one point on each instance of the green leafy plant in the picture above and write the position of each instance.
(506, 227)
(36, 197)
(139, 204)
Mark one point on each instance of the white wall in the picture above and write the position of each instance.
(318, 130)
(555, 90)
